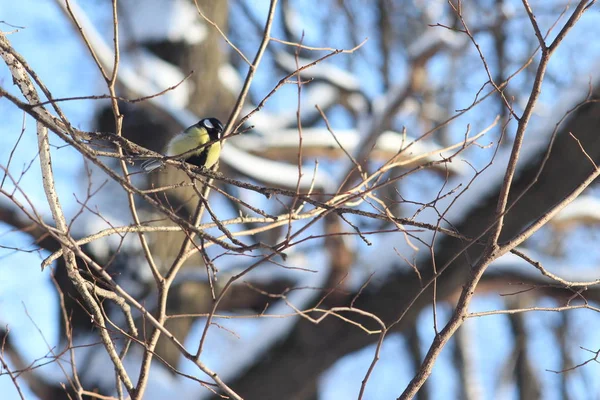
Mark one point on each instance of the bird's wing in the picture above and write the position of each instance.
(191, 139)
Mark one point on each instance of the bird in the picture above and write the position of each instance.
(191, 144)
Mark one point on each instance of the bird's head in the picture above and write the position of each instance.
(213, 126)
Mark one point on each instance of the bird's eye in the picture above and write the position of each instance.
(208, 124)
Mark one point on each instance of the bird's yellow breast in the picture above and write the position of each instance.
(213, 154)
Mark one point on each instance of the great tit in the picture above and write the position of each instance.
(194, 138)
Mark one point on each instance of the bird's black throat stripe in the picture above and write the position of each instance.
(198, 160)
(214, 134)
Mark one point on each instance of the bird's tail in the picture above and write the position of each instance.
(152, 164)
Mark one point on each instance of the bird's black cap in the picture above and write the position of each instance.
(212, 125)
